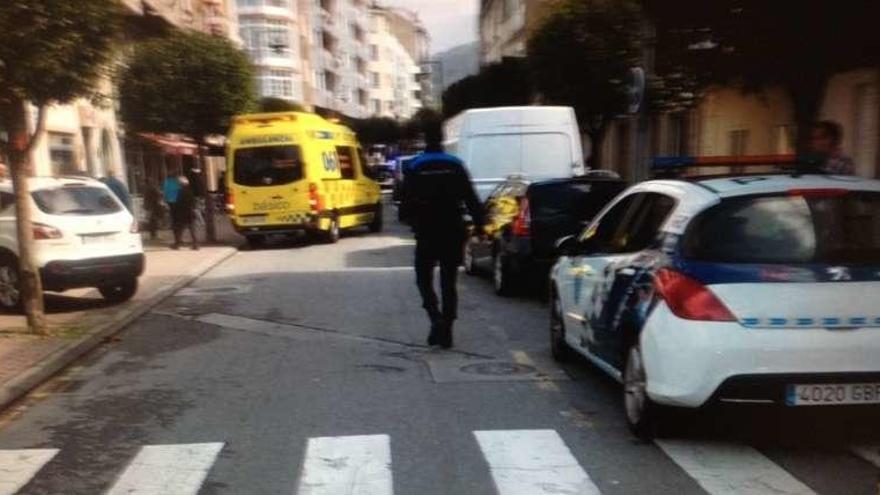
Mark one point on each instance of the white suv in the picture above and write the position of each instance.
(83, 237)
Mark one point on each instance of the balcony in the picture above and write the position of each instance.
(267, 57)
(268, 10)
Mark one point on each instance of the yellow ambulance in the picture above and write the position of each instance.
(292, 171)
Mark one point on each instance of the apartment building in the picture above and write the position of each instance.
(394, 71)
(505, 26)
(334, 53)
(270, 33)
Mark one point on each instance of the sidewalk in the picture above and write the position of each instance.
(80, 319)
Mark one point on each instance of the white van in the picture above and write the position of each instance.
(536, 142)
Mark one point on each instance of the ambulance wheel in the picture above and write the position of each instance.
(256, 241)
(378, 221)
(331, 235)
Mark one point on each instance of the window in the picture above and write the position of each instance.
(632, 224)
(374, 79)
(7, 200)
(267, 166)
(61, 153)
(347, 161)
(789, 229)
(377, 106)
(76, 201)
(374, 53)
(278, 83)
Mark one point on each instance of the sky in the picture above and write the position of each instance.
(449, 22)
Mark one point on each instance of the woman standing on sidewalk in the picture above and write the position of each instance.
(183, 213)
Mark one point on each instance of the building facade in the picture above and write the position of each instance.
(394, 72)
(269, 30)
(505, 26)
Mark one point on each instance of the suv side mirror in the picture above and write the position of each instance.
(567, 246)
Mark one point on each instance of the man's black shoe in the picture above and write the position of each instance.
(445, 338)
(434, 336)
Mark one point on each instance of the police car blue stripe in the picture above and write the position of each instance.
(806, 321)
(831, 321)
(751, 322)
(777, 322)
(858, 321)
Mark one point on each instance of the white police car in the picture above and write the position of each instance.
(753, 289)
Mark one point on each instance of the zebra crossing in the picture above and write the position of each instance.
(520, 462)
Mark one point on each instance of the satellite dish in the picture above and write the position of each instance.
(635, 88)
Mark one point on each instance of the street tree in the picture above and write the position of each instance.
(377, 130)
(504, 83)
(272, 104)
(188, 83)
(51, 51)
(757, 44)
(581, 56)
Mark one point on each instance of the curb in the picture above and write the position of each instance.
(28, 380)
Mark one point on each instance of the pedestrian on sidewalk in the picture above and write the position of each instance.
(183, 214)
(118, 187)
(826, 138)
(153, 205)
(436, 189)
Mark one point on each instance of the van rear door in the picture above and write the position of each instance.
(269, 184)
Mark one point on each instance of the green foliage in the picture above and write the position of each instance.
(582, 54)
(271, 104)
(189, 83)
(377, 130)
(54, 50)
(505, 83)
(413, 128)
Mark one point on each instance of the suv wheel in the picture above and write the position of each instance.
(502, 275)
(642, 414)
(119, 292)
(10, 288)
(558, 346)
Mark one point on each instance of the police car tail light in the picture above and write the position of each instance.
(689, 299)
(316, 203)
(522, 224)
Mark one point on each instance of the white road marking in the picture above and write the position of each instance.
(178, 469)
(17, 467)
(349, 465)
(532, 462)
(870, 453)
(729, 468)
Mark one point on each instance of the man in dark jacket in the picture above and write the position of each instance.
(436, 188)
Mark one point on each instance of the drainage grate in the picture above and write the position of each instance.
(497, 369)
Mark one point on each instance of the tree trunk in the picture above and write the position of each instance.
(210, 228)
(807, 93)
(20, 145)
(597, 138)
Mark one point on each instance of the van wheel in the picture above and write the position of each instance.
(121, 292)
(10, 284)
(559, 348)
(331, 236)
(643, 416)
(378, 221)
(502, 275)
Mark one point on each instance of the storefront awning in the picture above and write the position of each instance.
(170, 144)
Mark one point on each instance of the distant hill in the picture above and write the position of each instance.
(459, 62)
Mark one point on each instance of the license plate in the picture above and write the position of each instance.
(253, 220)
(832, 394)
(97, 239)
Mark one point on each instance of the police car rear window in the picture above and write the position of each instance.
(267, 165)
(789, 228)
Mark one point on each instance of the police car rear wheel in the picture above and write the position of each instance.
(642, 414)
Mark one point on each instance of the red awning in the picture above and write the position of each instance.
(170, 144)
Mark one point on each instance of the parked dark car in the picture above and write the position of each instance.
(524, 221)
